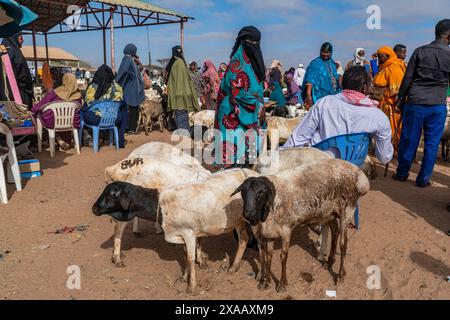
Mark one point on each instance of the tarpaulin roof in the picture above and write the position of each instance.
(53, 12)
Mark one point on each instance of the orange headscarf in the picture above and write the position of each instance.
(391, 72)
(47, 80)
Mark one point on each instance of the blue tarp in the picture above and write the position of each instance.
(14, 17)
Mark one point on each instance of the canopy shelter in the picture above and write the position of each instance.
(66, 16)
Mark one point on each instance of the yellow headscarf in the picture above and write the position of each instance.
(391, 72)
(69, 89)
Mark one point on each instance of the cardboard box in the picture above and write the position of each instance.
(28, 169)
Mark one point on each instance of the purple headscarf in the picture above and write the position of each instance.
(293, 87)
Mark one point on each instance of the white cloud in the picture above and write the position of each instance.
(183, 4)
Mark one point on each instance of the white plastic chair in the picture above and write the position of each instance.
(12, 162)
(64, 113)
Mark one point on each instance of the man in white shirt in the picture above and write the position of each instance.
(348, 112)
(299, 75)
(87, 76)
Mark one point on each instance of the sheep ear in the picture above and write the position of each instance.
(125, 202)
(238, 190)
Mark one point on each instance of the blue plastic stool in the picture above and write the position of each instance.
(109, 111)
(353, 148)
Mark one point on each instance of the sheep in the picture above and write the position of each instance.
(165, 151)
(319, 193)
(204, 209)
(124, 202)
(273, 162)
(150, 112)
(445, 140)
(203, 118)
(149, 172)
(280, 129)
(369, 168)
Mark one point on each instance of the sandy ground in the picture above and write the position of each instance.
(402, 231)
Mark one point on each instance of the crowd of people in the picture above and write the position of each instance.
(387, 97)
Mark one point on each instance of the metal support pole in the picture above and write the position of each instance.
(104, 45)
(46, 48)
(113, 65)
(35, 55)
(182, 34)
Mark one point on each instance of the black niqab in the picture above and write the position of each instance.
(103, 78)
(177, 52)
(252, 50)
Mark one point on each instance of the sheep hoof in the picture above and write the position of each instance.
(118, 263)
(137, 234)
(258, 277)
(330, 264)
(233, 269)
(281, 287)
(263, 285)
(341, 277)
(191, 289)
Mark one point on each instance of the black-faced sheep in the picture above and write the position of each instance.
(325, 192)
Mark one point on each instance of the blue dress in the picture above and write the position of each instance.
(240, 114)
(323, 76)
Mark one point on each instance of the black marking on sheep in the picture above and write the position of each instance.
(128, 164)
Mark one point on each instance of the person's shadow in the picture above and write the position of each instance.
(429, 203)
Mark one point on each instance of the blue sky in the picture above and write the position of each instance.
(292, 30)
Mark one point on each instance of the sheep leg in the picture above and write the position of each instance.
(150, 124)
(139, 120)
(447, 151)
(323, 242)
(243, 240)
(266, 279)
(285, 240)
(191, 246)
(161, 123)
(136, 232)
(119, 228)
(262, 256)
(343, 247)
(334, 238)
(202, 257)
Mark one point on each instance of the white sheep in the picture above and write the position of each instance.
(203, 118)
(151, 173)
(273, 162)
(168, 152)
(280, 129)
(325, 192)
(204, 209)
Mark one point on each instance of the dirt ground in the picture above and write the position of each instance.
(403, 231)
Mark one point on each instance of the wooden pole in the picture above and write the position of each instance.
(35, 55)
(113, 65)
(182, 33)
(104, 45)
(46, 48)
